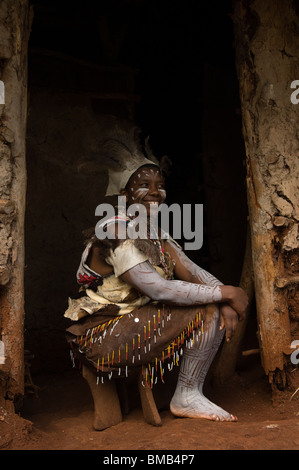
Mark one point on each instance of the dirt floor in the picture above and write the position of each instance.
(60, 418)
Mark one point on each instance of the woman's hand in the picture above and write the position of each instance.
(236, 298)
(229, 320)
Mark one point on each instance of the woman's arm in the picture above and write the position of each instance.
(145, 279)
(187, 270)
(231, 312)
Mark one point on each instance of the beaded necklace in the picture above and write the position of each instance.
(166, 263)
(166, 266)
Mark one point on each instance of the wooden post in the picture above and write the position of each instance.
(14, 33)
(230, 352)
(267, 44)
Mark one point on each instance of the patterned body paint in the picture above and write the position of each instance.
(189, 400)
(173, 292)
(146, 187)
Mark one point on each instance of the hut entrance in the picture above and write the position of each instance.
(162, 65)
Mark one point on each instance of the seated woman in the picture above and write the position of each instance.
(145, 303)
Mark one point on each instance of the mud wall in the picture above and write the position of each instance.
(267, 63)
(14, 32)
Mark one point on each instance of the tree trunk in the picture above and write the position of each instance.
(14, 33)
(267, 45)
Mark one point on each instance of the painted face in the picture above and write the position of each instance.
(146, 186)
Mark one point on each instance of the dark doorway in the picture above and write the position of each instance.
(169, 66)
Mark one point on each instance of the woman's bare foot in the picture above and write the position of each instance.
(193, 404)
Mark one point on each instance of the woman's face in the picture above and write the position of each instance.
(146, 186)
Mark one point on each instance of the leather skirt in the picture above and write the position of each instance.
(151, 337)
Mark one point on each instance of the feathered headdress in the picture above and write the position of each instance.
(116, 148)
(125, 155)
(121, 152)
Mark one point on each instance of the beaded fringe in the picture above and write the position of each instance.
(154, 369)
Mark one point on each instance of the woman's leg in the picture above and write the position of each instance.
(189, 400)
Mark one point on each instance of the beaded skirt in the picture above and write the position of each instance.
(151, 337)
